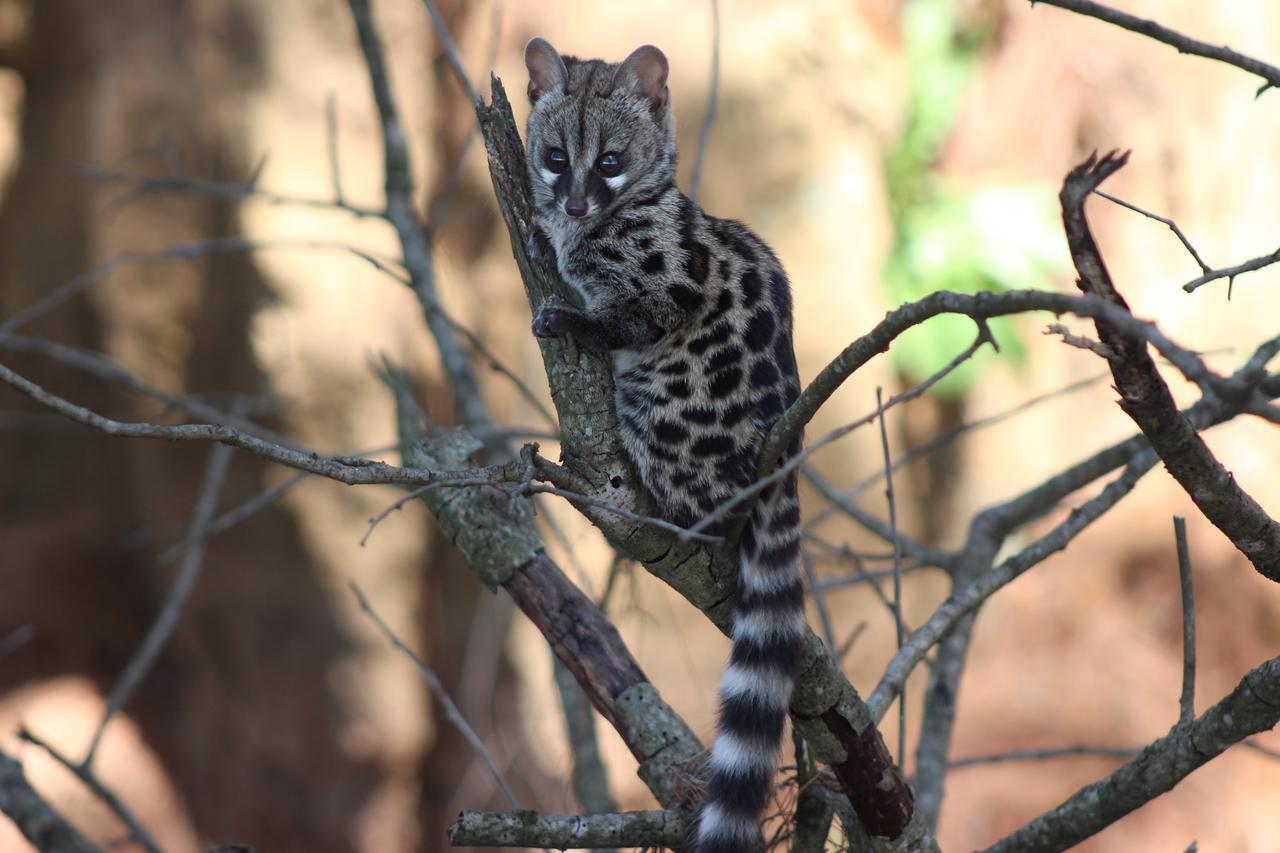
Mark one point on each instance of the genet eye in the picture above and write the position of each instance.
(557, 160)
(609, 164)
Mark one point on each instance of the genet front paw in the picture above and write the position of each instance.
(553, 321)
(539, 248)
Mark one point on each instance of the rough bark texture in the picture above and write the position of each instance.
(503, 548)
(1145, 397)
(529, 829)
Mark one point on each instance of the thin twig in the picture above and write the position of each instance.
(451, 712)
(331, 138)
(1173, 226)
(1230, 273)
(157, 636)
(820, 601)
(1043, 755)
(86, 775)
(404, 218)
(345, 469)
(688, 533)
(1187, 701)
(899, 629)
(713, 96)
(451, 52)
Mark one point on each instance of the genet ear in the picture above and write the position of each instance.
(645, 72)
(546, 68)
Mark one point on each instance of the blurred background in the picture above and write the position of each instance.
(884, 148)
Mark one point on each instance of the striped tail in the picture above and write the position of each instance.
(768, 633)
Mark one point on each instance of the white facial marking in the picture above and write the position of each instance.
(615, 183)
(548, 176)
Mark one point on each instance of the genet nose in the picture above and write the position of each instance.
(576, 209)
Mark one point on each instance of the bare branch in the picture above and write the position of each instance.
(1043, 755)
(451, 712)
(590, 777)
(86, 775)
(898, 627)
(1173, 226)
(47, 830)
(1176, 40)
(1146, 398)
(1187, 701)
(1230, 273)
(1252, 707)
(413, 238)
(978, 306)
(345, 469)
(708, 117)
(530, 829)
(451, 52)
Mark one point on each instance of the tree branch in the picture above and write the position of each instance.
(413, 238)
(48, 831)
(530, 829)
(1146, 398)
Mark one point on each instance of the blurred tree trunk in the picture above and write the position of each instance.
(241, 710)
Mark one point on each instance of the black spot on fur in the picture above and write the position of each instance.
(686, 297)
(724, 270)
(644, 243)
(733, 415)
(750, 284)
(611, 254)
(770, 407)
(712, 445)
(725, 382)
(679, 389)
(698, 264)
(763, 374)
(674, 368)
(669, 432)
(760, 329)
(718, 334)
(655, 263)
(724, 357)
(636, 283)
